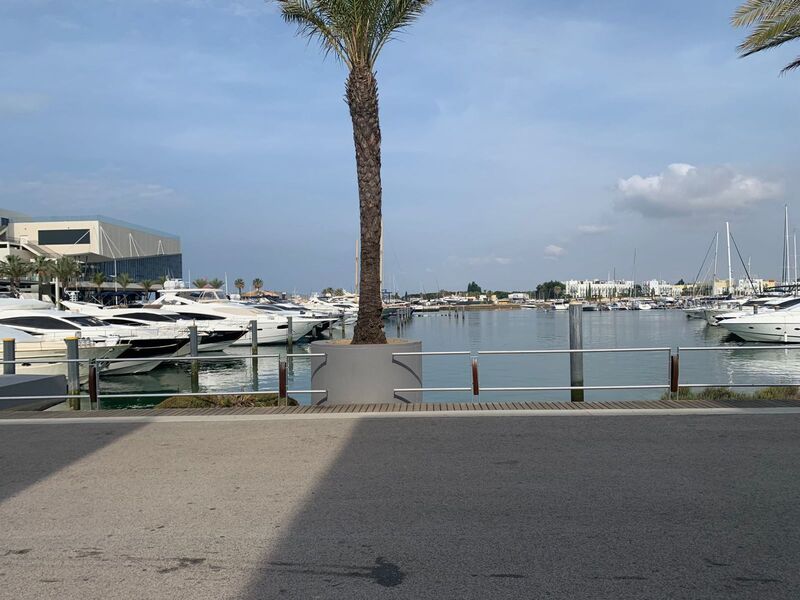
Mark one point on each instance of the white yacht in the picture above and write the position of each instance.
(723, 307)
(143, 343)
(206, 304)
(213, 336)
(776, 326)
(41, 348)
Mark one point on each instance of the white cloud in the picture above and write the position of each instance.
(685, 190)
(15, 104)
(593, 229)
(554, 252)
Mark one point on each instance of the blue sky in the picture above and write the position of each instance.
(524, 140)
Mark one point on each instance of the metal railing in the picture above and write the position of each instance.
(95, 367)
(676, 366)
(476, 387)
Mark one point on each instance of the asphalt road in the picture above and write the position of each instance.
(700, 507)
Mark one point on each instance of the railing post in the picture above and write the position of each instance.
(9, 354)
(282, 387)
(193, 352)
(576, 343)
(93, 382)
(289, 335)
(73, 372)
(674, 373)
(476, 386)
(344, 328)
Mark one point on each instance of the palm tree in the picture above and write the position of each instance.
(355, 33)
(65, 269)
(776, 22)
(124, 280)
(239, 285)
(14, 269)
(98, 279)
(216, 283)
(258, 284)
(42, 267)
(162, 280)
(201, 282)
(146, 284)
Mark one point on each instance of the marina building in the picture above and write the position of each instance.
(100, 244)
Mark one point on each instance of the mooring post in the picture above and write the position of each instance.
(282, 386)
(674, 374)
(253, 337)
(344, 327)
(193, 352)
(9, 354)
(73, 372)
(476, 387)
(576, 343)
(289, 335)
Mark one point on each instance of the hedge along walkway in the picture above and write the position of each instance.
(629, 407)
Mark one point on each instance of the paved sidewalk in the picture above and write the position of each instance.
(643, 506)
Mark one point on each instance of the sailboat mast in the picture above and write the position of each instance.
(795, 259)
(716, 255)
(786, 231)
(730, 265)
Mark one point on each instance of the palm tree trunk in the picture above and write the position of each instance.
(362, 98)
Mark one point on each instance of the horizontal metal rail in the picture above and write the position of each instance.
(47, 397)
(201, 394)
(456, 353)
(583, 351)
(739, 385)
(200, 358)
(575, 387)
(443, 389)
(721, 348)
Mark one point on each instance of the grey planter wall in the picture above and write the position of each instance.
(365, 374)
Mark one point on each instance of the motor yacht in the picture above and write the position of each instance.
(213, 305)
(213, 336)
(779, 326)
(39, 349)
(143, 343)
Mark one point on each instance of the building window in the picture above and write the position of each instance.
(57, 237)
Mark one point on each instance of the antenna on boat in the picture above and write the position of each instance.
(787, 268)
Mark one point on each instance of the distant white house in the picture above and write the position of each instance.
(519, 297)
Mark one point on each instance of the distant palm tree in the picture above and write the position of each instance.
(258, 284)
(162, 280)
(239, 285)
(65, 270)
(14, 269)
(124, 280)
(216, 283)
(776, 22)
(200, 282)
(146, 284)
(42, 267)
(98, 279)
(355, 33)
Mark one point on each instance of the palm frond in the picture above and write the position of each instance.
(753, 11)
(791, 66)
(313, 21)
(770, 34)
(354, 30)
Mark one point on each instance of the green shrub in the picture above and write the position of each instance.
(226, 401)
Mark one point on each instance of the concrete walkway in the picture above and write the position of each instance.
(640, 506)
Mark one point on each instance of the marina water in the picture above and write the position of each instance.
(509, 330)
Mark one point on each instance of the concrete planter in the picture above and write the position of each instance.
(365, 374)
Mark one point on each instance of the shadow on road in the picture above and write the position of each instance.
(580, 507)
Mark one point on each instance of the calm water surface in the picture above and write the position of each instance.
(512, 330)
